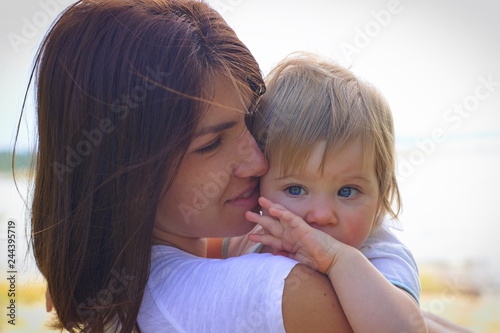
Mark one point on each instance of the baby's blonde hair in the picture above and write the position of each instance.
(310, 99)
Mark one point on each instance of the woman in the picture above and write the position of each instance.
(144, 152)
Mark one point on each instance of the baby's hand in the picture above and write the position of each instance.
(291, 235)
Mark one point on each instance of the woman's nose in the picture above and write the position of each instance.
(251, 160)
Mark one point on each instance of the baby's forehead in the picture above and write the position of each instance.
(312, 158)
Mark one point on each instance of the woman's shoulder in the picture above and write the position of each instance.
(172, 263)
(194, 291)
(260, 292)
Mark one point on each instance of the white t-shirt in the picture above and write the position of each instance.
(186, 293)
(382, 248)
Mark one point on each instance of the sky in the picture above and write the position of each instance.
(425, 56)
(435, 61)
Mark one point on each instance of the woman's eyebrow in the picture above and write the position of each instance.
(215, 128)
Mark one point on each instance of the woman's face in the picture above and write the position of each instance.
(218, 178)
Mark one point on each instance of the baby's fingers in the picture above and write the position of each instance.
(267, 239)
(268, 223)
(267, 204)
(287, 218)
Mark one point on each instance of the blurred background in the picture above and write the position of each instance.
(436, 62)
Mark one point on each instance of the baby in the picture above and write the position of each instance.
(327, 199)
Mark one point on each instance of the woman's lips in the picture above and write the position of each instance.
(247, 199)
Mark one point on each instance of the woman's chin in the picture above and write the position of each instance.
(242, 228)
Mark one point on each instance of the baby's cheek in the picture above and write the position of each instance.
(295, 206)
(357, 235)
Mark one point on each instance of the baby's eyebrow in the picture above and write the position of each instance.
(346, 179)
(359, 178)
(287, 176)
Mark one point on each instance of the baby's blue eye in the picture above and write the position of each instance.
(295, 190)
(347, 192)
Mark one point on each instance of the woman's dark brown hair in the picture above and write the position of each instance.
(120, 87)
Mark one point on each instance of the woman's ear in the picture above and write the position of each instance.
(48, 301)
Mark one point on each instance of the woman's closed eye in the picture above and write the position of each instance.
(347, 192)
(295, 190)
(210, 147)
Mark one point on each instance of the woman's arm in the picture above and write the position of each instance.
(309, 302)
(367, 298)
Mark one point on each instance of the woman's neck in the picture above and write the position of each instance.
(195, 246)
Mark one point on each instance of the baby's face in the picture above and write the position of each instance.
(341, 201)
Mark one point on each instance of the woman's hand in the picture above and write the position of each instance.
(291, 236)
